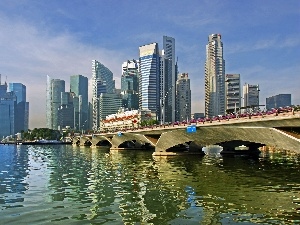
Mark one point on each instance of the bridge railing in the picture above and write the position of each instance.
(215, 121)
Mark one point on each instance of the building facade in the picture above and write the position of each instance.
(130, 85)
(67, 112)
(79, 86)
(232, 93)
(250, 97)
(53, 101)
(14, 110)
(183, 97)
(22, 108)
(8, 105)
(280, 100)
(149, 78)
(168, 77)
(214, 77)
(109, 104)
(102, 80)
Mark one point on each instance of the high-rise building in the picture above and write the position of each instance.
(53, 101)
(130, 85)
(149, 78)
(214, 77)
(79, 86)
(232, 92)
(67, 112)
(102, 80)
(109, 104)
(14, 109)
(22, 108)
(251, 97)
(183, 97)
(277, 101)
(8, 105)
(168, 77)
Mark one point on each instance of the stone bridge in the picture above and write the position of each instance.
(251, 133)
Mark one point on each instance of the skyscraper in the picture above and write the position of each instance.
(149, 78)
(109, 104)
(168, 78)
(79, 86)
(53, 101)
(214, 77)
(102, 80)
(251, 97)
(22, 107)
(67, 112)
(14, 109)
(130, 84)
(232, 92)
(183, 97)
(8, 105)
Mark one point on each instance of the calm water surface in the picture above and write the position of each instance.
(77, 185)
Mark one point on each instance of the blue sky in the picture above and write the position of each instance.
(61, 38)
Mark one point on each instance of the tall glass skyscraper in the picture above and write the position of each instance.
(102, 79)
(168, 78)
(53, 101)
(79, 86)
(8, 105)
(149, 78)
(22, 108)
(14, 109)
(130, 85)
(214, 77)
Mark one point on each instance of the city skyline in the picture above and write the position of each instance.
(261, 42)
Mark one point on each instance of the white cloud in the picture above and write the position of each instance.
(31, 54)
(275, 42)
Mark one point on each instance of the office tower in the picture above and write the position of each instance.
(53, 101)
(130, 85)
(280, 100)
(22, 107)
(232, 93)
(214, 77)
(67, 112)
(3, 88)
(79, 86)
(8, 105)
(168, 78)
(149, 78)
(251, 97)
(183, 97)
(102, 82)
(109, 104)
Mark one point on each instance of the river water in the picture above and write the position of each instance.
(81, 185)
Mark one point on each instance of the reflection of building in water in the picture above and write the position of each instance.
(14, 169)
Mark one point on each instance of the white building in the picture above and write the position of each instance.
(214, 77)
